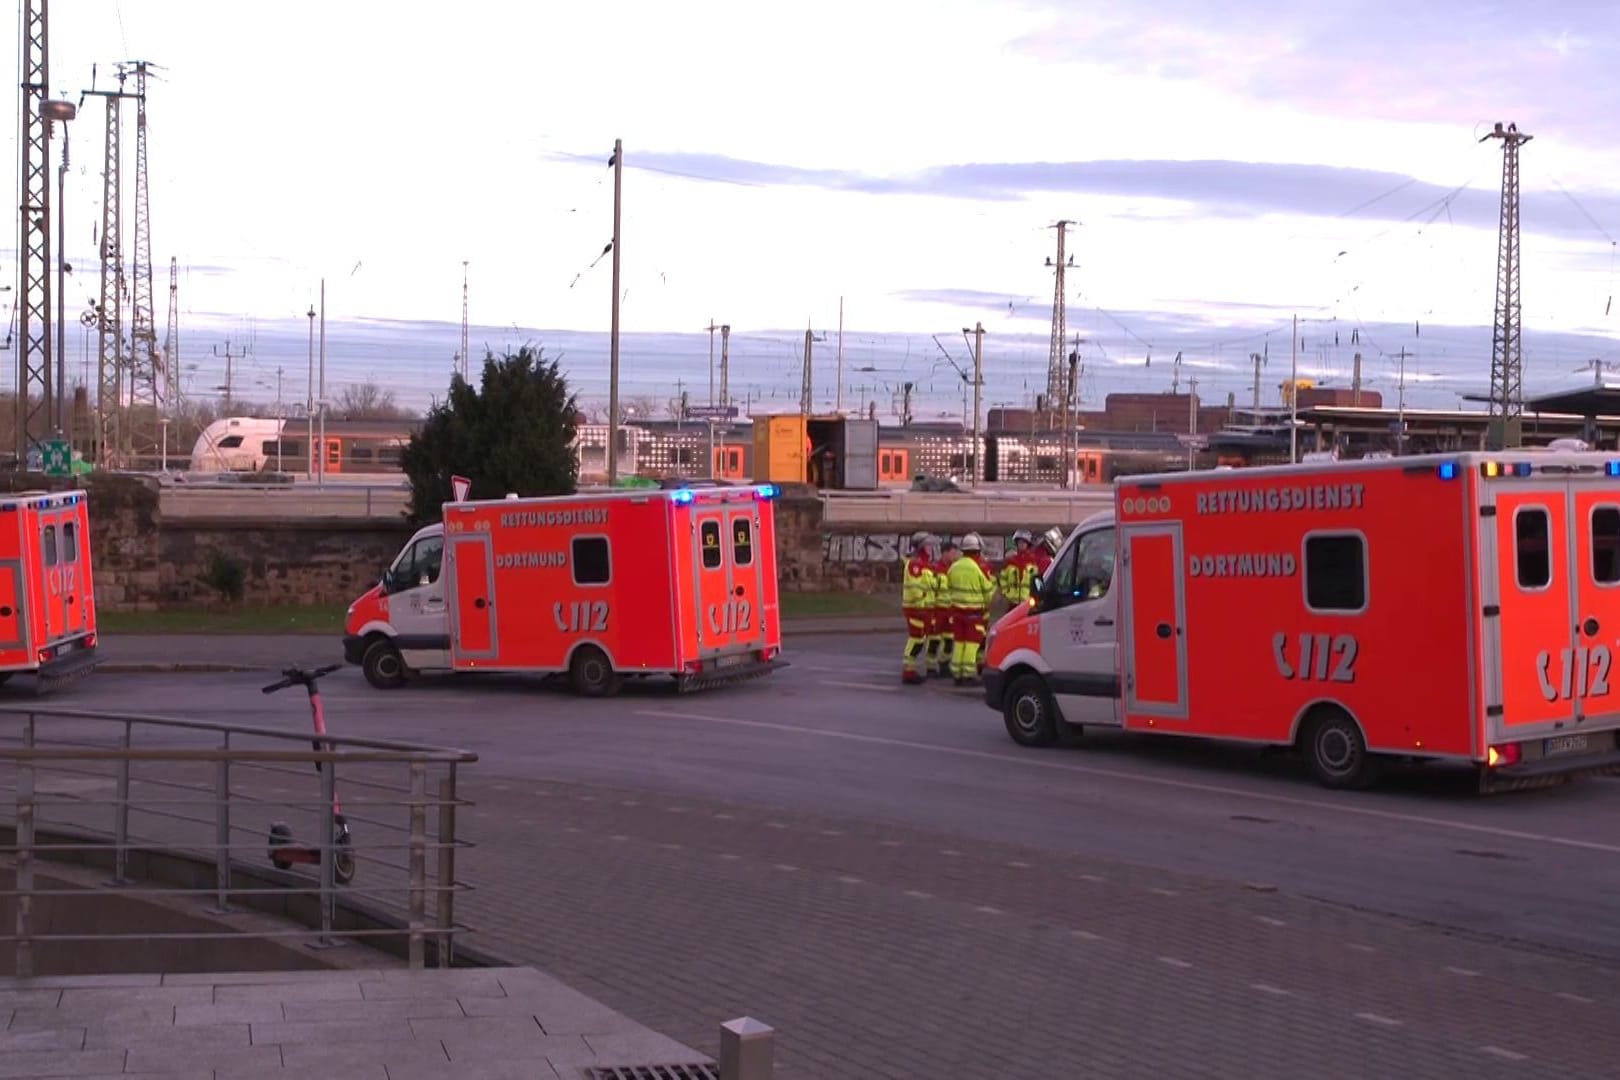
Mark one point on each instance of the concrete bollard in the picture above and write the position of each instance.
(747, 1049)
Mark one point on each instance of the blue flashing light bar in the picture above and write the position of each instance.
(683, 495)
(1448, 470)
(768, 491)
(1611, 468)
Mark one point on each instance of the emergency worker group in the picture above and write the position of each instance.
(946, 591)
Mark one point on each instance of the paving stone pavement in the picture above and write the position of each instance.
(883, 950)
(489, 1024)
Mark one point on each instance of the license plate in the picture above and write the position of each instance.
(1565, 744)
(730, 661)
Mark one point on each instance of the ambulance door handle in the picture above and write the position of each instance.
(738, 590)
(1102, 620)
(478, 603)
(1163, 630)
(1590, 627)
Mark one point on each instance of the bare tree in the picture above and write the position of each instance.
(368, 401)
(640, 407)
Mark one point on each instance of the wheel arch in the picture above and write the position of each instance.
(1321, 707)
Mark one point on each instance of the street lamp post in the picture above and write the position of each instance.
(309, 402)
(59, 112)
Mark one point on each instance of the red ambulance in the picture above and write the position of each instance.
(47, 594)
(1461, 608)
(622, 583)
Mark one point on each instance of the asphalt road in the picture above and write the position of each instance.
(882, 873)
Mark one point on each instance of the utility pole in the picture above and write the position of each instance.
(281, 419)
(905, 404)
(112, 372)
(1507, 356)
(711, 328)
(1192, 421)
(725, 357)
(1293, 394)
(978, 385)
(1054, 361)
(174, 391)
(1355, 382)
(309, 402)
(1400, 407)
(320, 477)
(1071, 418)
(466, 361)
(613, 338)
(838, 405)
(804, 386)
(1257, 360)
(1175, 375)
(146, 401)
(229, 383)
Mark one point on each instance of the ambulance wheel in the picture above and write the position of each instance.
(591, 673)
(1336, 750)
(382, 665)
(1030, 712)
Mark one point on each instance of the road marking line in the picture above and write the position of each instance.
(776, 824)
(1578, 999)
(849, 879)
(671, 847)
(917, 894)
(728, 856)
(1173, 962)
(858, 686)
(1098, 878)
(618, 836)
(586, 798)
(722, 817)
(786, 868)
(628, 802)
(989, 910)
(891, 843)
(1497, 1051)
(566, 828)
(1028, 762)
(1361, 948)
(1462, 971)
(1267, 988)
(1085, 935)
(1164, 892)
(1269, 921)
(832, 832)
(1374, 1018)
(949, 853)
(1016, 865)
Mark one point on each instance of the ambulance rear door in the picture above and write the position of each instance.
(1529, 588)
(728, 571)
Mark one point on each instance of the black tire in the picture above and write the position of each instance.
(591, 674)
(342, 857)
(1336, 751)
(382, 665)
(1030, 713)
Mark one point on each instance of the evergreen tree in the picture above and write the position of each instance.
(514, 433)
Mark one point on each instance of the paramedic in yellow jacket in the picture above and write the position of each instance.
(918, 589)
(971, 589)
(1017, 569)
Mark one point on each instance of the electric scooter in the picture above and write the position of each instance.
(284, 852)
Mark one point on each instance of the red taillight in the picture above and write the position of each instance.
(89, 641)
(44, 655)
(1506, 754)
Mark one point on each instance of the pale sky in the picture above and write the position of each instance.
(1222, 163)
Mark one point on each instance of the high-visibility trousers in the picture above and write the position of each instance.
(970, 628)
(919, 621)
(941, 635)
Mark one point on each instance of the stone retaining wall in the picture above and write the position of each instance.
(143, 562)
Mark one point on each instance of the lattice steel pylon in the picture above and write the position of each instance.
(147, 382)
(1056, 385)
(1507, 353)
(34, 237)
(110, 328)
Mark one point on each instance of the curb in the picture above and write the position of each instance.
(157, 667)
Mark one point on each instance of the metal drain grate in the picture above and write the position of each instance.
(653, 1072)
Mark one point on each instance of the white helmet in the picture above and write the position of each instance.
(971, 542)
(1053, 539)
(1025, 535)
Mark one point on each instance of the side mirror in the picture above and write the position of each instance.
(387, 580)
(1035, 585)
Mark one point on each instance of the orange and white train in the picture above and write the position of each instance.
(47, 594)
(598, 586)
(1461, 608)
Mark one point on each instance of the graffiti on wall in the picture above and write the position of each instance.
(892, 547)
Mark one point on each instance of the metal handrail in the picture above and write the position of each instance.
(35, 750)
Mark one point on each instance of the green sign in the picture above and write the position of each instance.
(58, 457)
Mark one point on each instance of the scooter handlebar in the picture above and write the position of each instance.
(300, 677)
